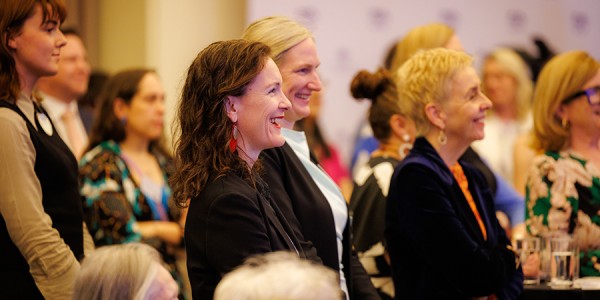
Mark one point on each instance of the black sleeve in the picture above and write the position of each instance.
(358, 281)
(272, 161)
(220, 236)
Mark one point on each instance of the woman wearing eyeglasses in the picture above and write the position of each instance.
(563, 189)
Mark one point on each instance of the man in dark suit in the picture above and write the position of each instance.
(61, 92)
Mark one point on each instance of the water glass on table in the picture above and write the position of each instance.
(564, 262)
(528, 249)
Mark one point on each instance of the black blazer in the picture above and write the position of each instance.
(435, 244)
(308, 212)
(228, 222)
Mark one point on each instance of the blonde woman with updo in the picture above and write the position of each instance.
(310, 200)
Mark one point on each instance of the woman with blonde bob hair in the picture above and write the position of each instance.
(439, 201)
(563, 186)
(560, 78)
(126, 271)
(428, 36)
(507, 82)
(513, 66)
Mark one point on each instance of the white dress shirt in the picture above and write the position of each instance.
(333, 194)
(56, 109)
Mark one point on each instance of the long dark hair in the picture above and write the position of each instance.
(107, 126)
(13, 14)
(202, 152)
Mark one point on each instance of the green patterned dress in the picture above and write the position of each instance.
(563, 195)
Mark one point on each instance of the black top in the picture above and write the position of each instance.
(368, 203)
(56, 169)
(436, 247)
(228, 222)
(308, 212)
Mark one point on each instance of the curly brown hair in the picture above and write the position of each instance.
(202, 152)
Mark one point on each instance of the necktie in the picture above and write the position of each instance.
(76, 142)
(459, 175)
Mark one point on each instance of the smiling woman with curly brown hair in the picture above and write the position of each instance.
(230, 110)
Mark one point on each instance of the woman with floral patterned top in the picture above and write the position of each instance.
(124, 174)
(563, 190)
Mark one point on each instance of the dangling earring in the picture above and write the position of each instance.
(405, 147)
(442, 138)
(233, 140)
(564, 123)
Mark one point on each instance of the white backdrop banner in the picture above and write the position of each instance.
(355, 34)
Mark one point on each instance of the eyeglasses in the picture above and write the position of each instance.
(589, 93)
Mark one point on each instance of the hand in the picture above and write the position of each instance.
(169, 232)
(531, 265)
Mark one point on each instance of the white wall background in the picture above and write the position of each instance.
(355, 34)
(163, 35)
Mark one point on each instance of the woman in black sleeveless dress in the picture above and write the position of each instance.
(41, 229)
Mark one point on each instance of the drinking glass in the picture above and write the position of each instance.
(563, 262)
(528, 249)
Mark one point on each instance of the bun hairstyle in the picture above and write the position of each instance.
(367, 85)
(378, 87)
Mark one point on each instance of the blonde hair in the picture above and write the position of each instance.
(124, 271)
(277, 32)
(279, 276)
(426, 78)
(433, 35)
(514, 65)
(562, 76)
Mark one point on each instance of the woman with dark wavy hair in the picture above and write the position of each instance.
(395, 134)
(41, 225)
(124, 174)
(231, 108)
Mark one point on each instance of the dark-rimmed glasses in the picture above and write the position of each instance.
(589, 93)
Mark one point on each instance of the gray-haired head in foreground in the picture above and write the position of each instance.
(279, 275)
(125, 271)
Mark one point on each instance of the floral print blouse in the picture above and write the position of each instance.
(113, 202)
(563, 195)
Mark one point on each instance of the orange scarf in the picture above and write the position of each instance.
(459, 175)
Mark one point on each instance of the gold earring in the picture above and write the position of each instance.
(442, 138)
(564, 123)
